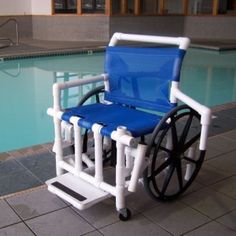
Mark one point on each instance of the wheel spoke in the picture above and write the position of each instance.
(154, 159)
(190, 160)
(179, 174)
(190, 142)
(97, 98)
(167, 179)
(165, 149)
(161, 167)
(174, 133)
(186, 129)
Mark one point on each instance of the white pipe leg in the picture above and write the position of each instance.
(58, 145)
(78, 145)
(203, 138)
(68, 130)
(129, 158)
(98, 151)
(138, 164)
(120, 171)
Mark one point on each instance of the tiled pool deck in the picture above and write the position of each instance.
(207, 208)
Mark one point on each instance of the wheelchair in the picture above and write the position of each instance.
(134, 123)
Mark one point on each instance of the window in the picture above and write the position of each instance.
(145, 7)
(200, 7)
(93, 6)
(116, 7)
(130, 6)
(149, 7)
(65, 6)
(227, 7)
(173, 7)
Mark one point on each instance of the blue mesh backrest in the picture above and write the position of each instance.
(141, 77)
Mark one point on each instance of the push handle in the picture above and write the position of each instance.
(182, 42)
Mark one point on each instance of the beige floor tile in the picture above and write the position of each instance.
(176, 217)
(209, 202)
(16, 230)
(212, 229)
(7, 215)
(209, 175)
(63, 222)
(140, 200)
(101, 214)
(227, 186)
(225, 163)
(221, 144)
(229, 220)
(230, 134)
(94, 233)
(35, 203)
(138, 226)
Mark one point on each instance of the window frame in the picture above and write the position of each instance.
(138, 11)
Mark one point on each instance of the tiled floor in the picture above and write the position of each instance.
(207, 208)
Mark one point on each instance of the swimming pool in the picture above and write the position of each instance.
(25, 89)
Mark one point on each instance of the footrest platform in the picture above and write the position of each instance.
(76, 191)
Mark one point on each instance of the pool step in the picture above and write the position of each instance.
(76, 191)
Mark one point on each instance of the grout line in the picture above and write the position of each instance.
(77, 213)
(20, 217)
(200, 226)
(19, 193)
(6, 226)
(92, 232)
(155, 223)
(46, 213)
(36, 177)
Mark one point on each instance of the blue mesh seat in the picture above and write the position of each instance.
(112, 116)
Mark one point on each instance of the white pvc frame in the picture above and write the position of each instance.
(127, 147)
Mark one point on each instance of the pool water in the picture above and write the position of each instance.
(26, 89)
(210, 76)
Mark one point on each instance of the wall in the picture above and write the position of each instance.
(24, 27)
(157, 25)
(35, 21)
(209, 27)
(12, 7)
(41, 7)
(204, 27)
(71, 28)
(100, 28)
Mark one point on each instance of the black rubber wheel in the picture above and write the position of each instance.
(125, 214)
(174, 154)
(95, 93)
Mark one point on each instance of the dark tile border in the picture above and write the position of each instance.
(49, 53)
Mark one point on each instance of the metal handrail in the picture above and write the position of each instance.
(11, 74)
(16, 28)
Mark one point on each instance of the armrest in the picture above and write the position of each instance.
(204, 111)
(58, 87)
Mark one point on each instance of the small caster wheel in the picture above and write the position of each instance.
(124, 214)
